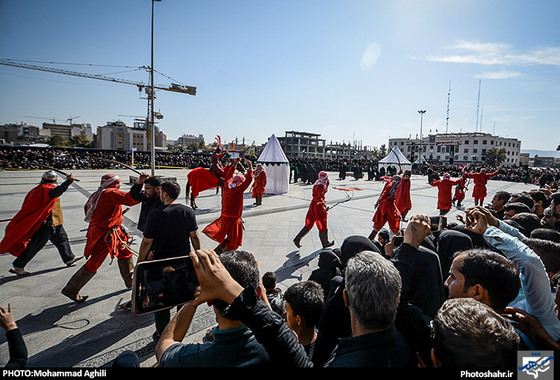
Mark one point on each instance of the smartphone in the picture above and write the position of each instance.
(398, 240)
(162, 284)
(434, 220)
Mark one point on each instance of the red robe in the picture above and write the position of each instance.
(402, 200)
(460, 190)
(259, 185)
(36, 207)
(317, 211)
(201, 179)
(387, 211)
(480, 180)
(444, 192)
(104, 235)
(229, 223)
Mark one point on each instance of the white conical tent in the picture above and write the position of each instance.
(395, 158)
(277, 167)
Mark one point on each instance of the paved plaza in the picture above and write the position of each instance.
(61, 333)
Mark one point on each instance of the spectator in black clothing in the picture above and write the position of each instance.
(541, 201)
(372, 291)
(528, 221)
(512, 208)
(335, 321)
(450, 242)
(16, 345)
(420, 268)
(468, 334)
(555, 207)
(274, 294)
(549, 220)
(329, 266)
(546, 234)
(498, 202)
(304, 306)
(150, 196)
(170, 230)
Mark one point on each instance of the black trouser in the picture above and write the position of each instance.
(57, 235)
(162, 318)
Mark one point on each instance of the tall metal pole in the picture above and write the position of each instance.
(421, 112)
(151, 101)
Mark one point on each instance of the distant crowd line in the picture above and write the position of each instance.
(302, 169)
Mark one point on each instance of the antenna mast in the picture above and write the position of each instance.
(477, 105)
(448, 99)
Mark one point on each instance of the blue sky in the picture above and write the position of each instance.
(355, 70)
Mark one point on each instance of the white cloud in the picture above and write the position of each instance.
(370, 56)
(489, 53)
(498, 75)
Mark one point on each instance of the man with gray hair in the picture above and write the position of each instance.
(372, 293)
(38, 221)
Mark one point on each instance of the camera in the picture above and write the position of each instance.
(162, 284)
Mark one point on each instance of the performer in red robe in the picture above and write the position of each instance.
(105, 236)
(317, 212)
(444, 186)
(402, 200)
(386, 209)
(227, 230)
(480, 180)
(259, 184)
(200, 179)
(39, 220)
(460, 190)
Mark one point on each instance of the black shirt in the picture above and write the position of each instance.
(170, 227)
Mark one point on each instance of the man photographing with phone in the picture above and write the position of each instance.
(169, 231)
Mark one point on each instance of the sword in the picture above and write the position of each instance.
(56, 170)
(348, 197)
(120, 163)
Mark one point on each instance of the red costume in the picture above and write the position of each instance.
(259, 182)
(480, 180)
(104, 236)
(35, 209)
(317, 212)
(460, 190)
(104, 214)
(387, 211)
(402, 200)
(200, 179)
(444, 191)
(228, 228)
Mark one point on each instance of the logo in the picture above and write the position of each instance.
(535, 365)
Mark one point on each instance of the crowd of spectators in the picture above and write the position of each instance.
(468, 295)
(302, 169)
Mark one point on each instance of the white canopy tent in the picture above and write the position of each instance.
(277, 167)
(396, 159)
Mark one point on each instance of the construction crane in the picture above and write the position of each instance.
(70, 119)
(43, 118)
(141, 86)
(149, 89)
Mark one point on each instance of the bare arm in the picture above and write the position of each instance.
(176, 329)
(144, 249)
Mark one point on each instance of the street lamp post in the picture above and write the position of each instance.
(421, 112)
(151, 101)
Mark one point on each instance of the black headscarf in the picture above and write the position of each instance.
(449, 242)
(352, 245)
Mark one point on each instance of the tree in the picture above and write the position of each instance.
(58, 141)
(80, 141)
(495, 156)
